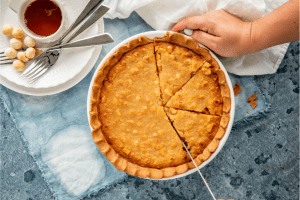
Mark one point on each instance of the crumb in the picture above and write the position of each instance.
(252, 98)
(236, 89)
(247, 111)
(63, 4)
(253, 104)
(266, 124)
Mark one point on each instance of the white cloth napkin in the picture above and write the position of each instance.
(163, 14)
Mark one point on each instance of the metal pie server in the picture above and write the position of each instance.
(186, 149)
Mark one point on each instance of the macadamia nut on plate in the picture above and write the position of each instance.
(11, 53)
(17, 32)
(22, 56)
(19, 65)
(7, 29)
(16, 43)
(30, 52)
(38, 52)
(29, 42)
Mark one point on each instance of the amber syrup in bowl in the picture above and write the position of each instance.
(43, 17)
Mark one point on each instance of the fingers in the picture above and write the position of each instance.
(195, 22)
(206, 39)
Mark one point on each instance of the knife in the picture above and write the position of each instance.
(186, 149)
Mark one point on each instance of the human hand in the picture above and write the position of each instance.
(220, 31)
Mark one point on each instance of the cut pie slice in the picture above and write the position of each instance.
(196, 129)
(203, 93)
(176, 65)
(141, 83)
(200, 132)
(133, 119)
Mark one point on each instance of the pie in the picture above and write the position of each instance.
(150, 95)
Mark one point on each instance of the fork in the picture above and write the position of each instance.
(100, 39)
(48, 58)
(5, 60)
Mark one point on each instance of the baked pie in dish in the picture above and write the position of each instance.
(149, 94)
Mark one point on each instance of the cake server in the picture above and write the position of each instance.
(186, 149)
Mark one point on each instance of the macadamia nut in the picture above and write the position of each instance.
(7, 29)
(29, 42)
(22, 56)
(19, 65)
(38, 52)
(30, 52)
(17, 32)
(16, 43)
(11, 53)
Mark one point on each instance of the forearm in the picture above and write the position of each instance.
(279, 26)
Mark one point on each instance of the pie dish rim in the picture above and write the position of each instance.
(160, 34)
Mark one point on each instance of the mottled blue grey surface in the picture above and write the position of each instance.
(258, 161)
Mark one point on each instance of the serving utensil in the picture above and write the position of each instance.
(186, 149)
(33, 72)
(104, 38)
(43, 62)
(5, 60)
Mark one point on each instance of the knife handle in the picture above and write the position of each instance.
(97, 14)
(104, 38)
(90, 7)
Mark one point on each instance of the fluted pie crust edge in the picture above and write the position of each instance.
(122, 163)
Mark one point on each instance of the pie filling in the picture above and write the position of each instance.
(155, 94)
(135, 123)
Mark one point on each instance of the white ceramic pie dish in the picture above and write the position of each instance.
(152, 35)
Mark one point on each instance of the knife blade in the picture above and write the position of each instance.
(186, 149)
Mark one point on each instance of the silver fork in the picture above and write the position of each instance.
(5, 60)
(44, 65)
(40, 65)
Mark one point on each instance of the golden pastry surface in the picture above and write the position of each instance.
(196, 129)
(175, 65)
(201, 93)
(134, 121)
(148, 94)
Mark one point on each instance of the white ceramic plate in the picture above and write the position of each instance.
(72, 65)
(152, 35)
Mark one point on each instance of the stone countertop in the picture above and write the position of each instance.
(258, 161)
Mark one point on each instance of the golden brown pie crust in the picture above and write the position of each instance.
(100, 139)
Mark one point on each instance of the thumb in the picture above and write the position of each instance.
(195, 22)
